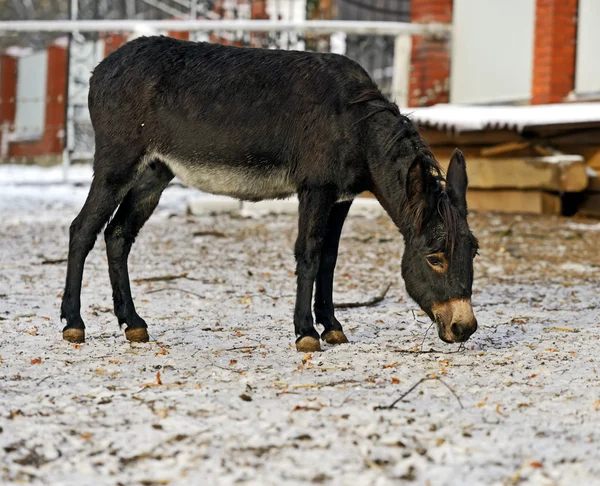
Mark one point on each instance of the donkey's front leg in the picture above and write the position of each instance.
(324, 313)
(314, 209)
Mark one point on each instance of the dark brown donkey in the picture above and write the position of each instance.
(263, 124)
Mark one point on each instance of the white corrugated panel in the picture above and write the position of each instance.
(32, 72)
(587, 67)
(460, 118)
(492, 51)
(286, 9)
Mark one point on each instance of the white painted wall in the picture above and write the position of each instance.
(287, 9)
(492, 50)
(30, 114)
(587, 65)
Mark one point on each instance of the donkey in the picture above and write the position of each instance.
(260, 124)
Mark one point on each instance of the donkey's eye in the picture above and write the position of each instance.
(437, 261)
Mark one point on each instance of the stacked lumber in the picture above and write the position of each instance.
(523, 184)
(512, 175)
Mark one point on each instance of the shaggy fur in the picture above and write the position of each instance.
(257, 124)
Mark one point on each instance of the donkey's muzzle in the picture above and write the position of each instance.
(455, 320)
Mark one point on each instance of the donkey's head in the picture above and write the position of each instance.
(437, 264)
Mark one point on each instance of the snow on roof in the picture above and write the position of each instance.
(461, 118)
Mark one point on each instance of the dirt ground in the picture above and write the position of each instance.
(220, 396)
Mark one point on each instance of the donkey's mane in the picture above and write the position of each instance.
(405, 132)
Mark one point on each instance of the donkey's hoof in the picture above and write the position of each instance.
(334, 337)
(74, 335)
(308, 344)
(137, 335)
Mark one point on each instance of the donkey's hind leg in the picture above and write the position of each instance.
(106, 192)
(136, 208)
(314, 208)
(324, 314)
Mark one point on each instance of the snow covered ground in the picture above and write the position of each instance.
(221, 397)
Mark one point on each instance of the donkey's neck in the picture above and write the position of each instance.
(389, 171)
(389, 188)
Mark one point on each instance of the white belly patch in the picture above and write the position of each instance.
(246, 184)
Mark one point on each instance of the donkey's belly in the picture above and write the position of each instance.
(252, 183)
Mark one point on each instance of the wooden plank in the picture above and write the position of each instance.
(567, 135)
(544, 130)
(513, 201)
(578, 137)
(442, 152)
(504, 148)
(509, 201)
(592, 157)
(557, 173)
(487, 137)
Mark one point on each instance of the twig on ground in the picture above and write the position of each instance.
(425, 337)
(236, 348)
(50, 261)
(43, 380)
(176, 290)
(324, 385)
(224, 367)
(161, 278)
(370, 302)
(428, 378)
(217, 234)
(428, 351)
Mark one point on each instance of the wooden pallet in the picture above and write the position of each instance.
(514, 201)
(523, 184)
(507, 174)
(556, 173)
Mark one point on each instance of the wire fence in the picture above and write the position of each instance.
(49, 117)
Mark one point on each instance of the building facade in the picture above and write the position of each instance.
(514, 51)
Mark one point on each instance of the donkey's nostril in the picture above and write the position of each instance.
(463, 331)
(456, 330)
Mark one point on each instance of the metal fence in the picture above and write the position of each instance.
(375, 33)
(382, 48)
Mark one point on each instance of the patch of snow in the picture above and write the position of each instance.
(461, 118)
(584, 226)
(235, 403)
(576, 267)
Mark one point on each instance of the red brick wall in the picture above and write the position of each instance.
(179, 35)
(51, 142)
(113, 41)
(555, 47)
(430, 59)
(259, 10)
(8, 89)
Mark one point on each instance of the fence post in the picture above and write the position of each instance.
(401, 74)
(68, 131)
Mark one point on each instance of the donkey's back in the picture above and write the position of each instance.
(248, 123)
(257, 124)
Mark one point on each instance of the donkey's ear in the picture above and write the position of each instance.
(416, 182)
(457, 179)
